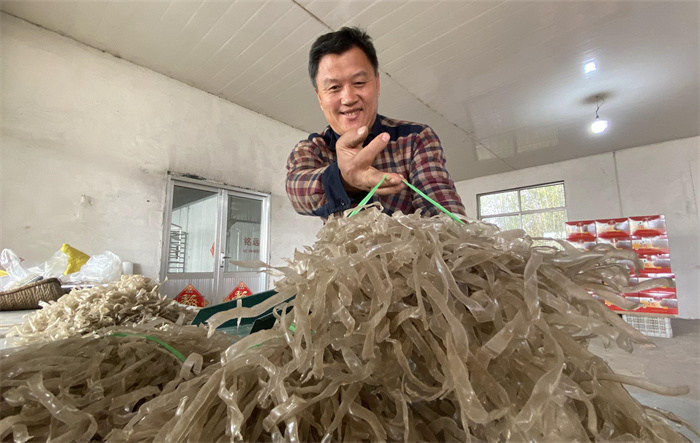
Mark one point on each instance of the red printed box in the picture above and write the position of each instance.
(648, 226)
(613, 228)
(618, 242)
(650, 245)
(580, 230)
(630, 296)
(583, 244)
(659, 300)
(659, 293)
(655, 264)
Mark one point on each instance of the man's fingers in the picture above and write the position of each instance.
(392, 184)
(392, 179)
(370, 152)
(392, 189)
(355, 163)
(352, 138)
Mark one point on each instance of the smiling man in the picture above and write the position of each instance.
(333, 171)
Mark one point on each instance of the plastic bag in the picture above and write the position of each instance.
(6, 281)
(101, 268)
(53, 267)
(16, 274)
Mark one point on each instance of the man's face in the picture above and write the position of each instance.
(348, 90)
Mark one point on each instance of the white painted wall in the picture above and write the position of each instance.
(656, 179)
(78, 121)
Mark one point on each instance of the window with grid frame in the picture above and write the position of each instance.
(539, 210)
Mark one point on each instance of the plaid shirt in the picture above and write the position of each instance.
(414, 151)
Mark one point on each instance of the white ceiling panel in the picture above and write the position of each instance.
(282, 56)
(406, 21)
(322, 8)
(259, 24)
(446, 27)
(286, 105)
(210, 49)
(134, 43)
(163, 38)
(114, 19)
(296, 78)
(501, 82)
(273, 42)
(369, 16)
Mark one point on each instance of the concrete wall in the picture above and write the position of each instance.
(656, 179)
(76, 121)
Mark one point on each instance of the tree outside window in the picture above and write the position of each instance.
(539, 210)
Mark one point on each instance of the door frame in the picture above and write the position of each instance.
(222, 191)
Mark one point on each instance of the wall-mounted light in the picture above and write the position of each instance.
(599, 125)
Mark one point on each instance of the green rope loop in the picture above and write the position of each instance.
(416, 190)
(366, 199)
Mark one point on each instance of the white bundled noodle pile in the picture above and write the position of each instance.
(414, 329)
(403, 329)
(132, 300)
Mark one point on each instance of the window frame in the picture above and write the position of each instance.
(520, 213)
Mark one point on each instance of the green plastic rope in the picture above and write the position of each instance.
(437, 205)
(172, 350)
(366, 199)
(418, 191)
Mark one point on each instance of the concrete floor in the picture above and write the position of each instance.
(673, 362)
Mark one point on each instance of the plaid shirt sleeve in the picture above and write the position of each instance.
(313, 180)
(428, 174)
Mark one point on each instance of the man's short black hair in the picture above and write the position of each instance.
(337, 43)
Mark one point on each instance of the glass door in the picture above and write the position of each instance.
(245, 240)
(207, 227)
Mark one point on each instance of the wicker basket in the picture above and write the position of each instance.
(29, 296)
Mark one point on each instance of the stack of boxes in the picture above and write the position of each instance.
(647, 237)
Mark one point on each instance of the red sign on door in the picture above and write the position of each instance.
(239, 291)
(191, 297)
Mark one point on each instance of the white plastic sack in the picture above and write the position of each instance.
(19, 276)
(6, 280)
(100, 268)
(53, 267)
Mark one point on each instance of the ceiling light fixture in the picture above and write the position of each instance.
(599, 125)
(589, 67)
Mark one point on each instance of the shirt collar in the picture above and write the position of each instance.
(377, 128)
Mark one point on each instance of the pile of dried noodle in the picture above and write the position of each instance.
(411, 329)
(133, 300)
(79, 389)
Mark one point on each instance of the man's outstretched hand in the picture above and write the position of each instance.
(355, 163)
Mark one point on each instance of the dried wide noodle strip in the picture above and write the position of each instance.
(410, 329)
(82, 388)
(132, 300)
